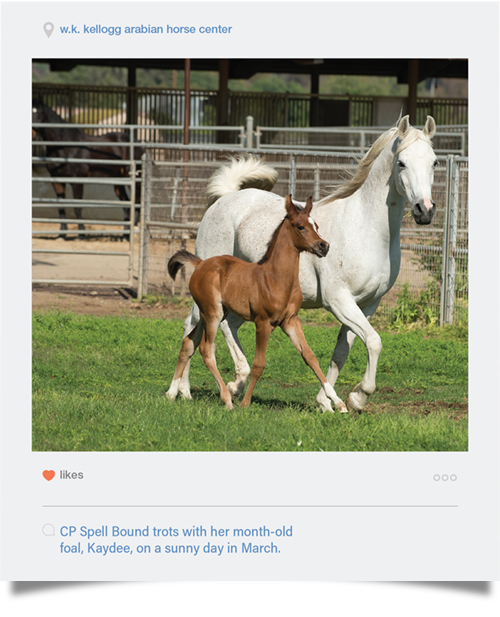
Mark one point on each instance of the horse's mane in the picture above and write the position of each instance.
(366, 163)
(52, 117)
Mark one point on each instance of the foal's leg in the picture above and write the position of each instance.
(207, 350)
(356, 323)
(229, 327)
(263, 332)
(190, 324)
(293, 328)
(189, 346)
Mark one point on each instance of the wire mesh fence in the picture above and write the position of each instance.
(434, 266)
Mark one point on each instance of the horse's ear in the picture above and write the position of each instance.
(309, 205)
(430, 127)
(403, 126)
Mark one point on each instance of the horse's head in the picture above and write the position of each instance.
(37, 115)
(414, 165)
(304, 229)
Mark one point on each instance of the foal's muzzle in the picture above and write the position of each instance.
(321, 248)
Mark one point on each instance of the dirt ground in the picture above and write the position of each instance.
(101, 301)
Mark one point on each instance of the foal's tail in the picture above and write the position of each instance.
(180, 258)
(243, 172)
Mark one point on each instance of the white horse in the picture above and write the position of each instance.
(361, 221)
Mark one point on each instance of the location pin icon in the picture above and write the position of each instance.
(49, 28)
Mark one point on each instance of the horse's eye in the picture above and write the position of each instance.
(300, 228)
(401, 164)
(436, 163)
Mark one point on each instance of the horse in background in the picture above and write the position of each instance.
(118, 149)
(267, 293)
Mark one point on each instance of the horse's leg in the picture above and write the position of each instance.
(263, 332)
(293, 329)
(207, 350)
(60, 190)
(78, 194)
(122, 195)
(355, 323)
(345, 340)
(189, 346)
(229, 327)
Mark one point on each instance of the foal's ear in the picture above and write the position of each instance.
(309, 205)
(291, 208)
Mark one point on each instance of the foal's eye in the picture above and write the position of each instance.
(300, 228)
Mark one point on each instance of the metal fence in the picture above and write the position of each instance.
(174, 202)
(165, 106)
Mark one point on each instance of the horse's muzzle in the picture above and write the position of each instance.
(321, 248)
(423, 212)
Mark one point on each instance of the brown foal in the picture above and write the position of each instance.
(267, 293)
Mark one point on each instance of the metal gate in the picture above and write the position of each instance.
(48, 226)
(434, 258)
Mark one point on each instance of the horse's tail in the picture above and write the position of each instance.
(180, 258)
(243, 172)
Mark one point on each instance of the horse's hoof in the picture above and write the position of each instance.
(186, 394)
(170, 397)
(352, 405)
(235, 388)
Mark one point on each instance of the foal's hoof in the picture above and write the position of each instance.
(341, 408)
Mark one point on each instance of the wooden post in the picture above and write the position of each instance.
(412, 90)
(223, 101)
(185, 170)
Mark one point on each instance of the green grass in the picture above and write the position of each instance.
(99, 384)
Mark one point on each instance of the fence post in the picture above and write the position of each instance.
(133, 178)
(293, 175)
(145, 214)
(316, 190)
(249, 132)
(449, 242)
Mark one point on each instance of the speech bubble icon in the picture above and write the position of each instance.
(48, 530)
(48, 28)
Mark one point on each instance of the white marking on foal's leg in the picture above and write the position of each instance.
(328, 391)
(173, 390)
(229, 329)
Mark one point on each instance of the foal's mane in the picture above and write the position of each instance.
(366, 163)
(272, 242)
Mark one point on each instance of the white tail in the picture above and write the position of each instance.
(243, 172)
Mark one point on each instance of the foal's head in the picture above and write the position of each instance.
(304, 230)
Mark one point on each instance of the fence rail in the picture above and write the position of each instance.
(165, 106)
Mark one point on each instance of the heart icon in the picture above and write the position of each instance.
(48, 474)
